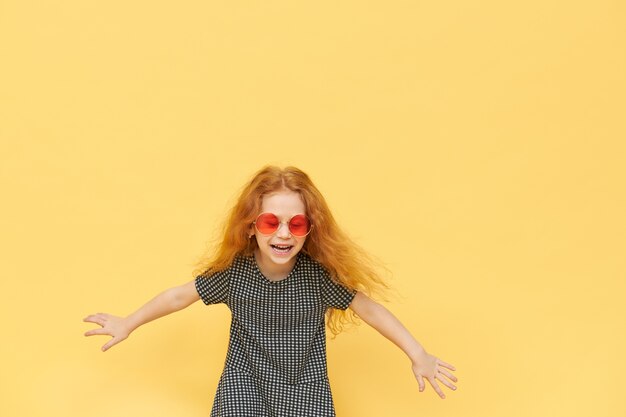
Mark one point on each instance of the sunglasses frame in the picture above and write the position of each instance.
(281, 223)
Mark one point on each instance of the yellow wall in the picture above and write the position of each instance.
(477, 148)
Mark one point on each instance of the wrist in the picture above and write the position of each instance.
(130, 323)
(418, 356)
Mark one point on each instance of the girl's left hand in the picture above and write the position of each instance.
(433, 369)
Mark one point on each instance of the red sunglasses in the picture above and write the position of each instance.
(267, 224)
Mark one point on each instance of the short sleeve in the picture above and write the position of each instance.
(214, 288)
(336, 295)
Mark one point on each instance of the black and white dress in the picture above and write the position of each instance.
(276, 360)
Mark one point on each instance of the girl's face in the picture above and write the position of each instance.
(276, 255)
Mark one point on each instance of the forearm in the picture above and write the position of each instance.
(167, 302)
(388, 325)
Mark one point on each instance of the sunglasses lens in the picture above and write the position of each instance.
(267, 223)
(299, 225)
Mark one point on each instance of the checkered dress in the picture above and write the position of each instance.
(276, 360)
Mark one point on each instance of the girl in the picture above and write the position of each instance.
(282, 266)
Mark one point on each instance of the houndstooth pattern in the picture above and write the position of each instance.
(276, 360)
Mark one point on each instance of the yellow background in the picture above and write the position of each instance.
(477, 148)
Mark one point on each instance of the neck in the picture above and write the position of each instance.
(272, 271)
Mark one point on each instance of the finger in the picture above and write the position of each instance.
(446, 365)
(98, 316)
(94, 319)
(420, 382)
(445, 381)
(97, 332)
(109, 344)
(448, 374)
(436, 388)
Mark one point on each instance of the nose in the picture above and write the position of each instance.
(283, 231)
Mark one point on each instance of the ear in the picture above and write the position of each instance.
(250, 231)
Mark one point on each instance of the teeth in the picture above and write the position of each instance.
(281, 248)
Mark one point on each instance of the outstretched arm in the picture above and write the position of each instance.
(424, 365)
(163, 304)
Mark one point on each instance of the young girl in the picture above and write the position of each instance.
(282, 266)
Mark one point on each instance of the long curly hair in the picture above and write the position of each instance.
(346, 262)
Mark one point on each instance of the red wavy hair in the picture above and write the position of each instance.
(347, 263)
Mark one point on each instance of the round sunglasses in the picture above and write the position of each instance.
(268, 223)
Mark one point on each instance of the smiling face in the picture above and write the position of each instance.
(276, 253)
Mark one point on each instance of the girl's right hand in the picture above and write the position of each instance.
(114, 326)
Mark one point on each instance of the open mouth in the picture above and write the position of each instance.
(281, 249)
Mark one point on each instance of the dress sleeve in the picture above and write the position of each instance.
(336, 295)
(214, 288)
